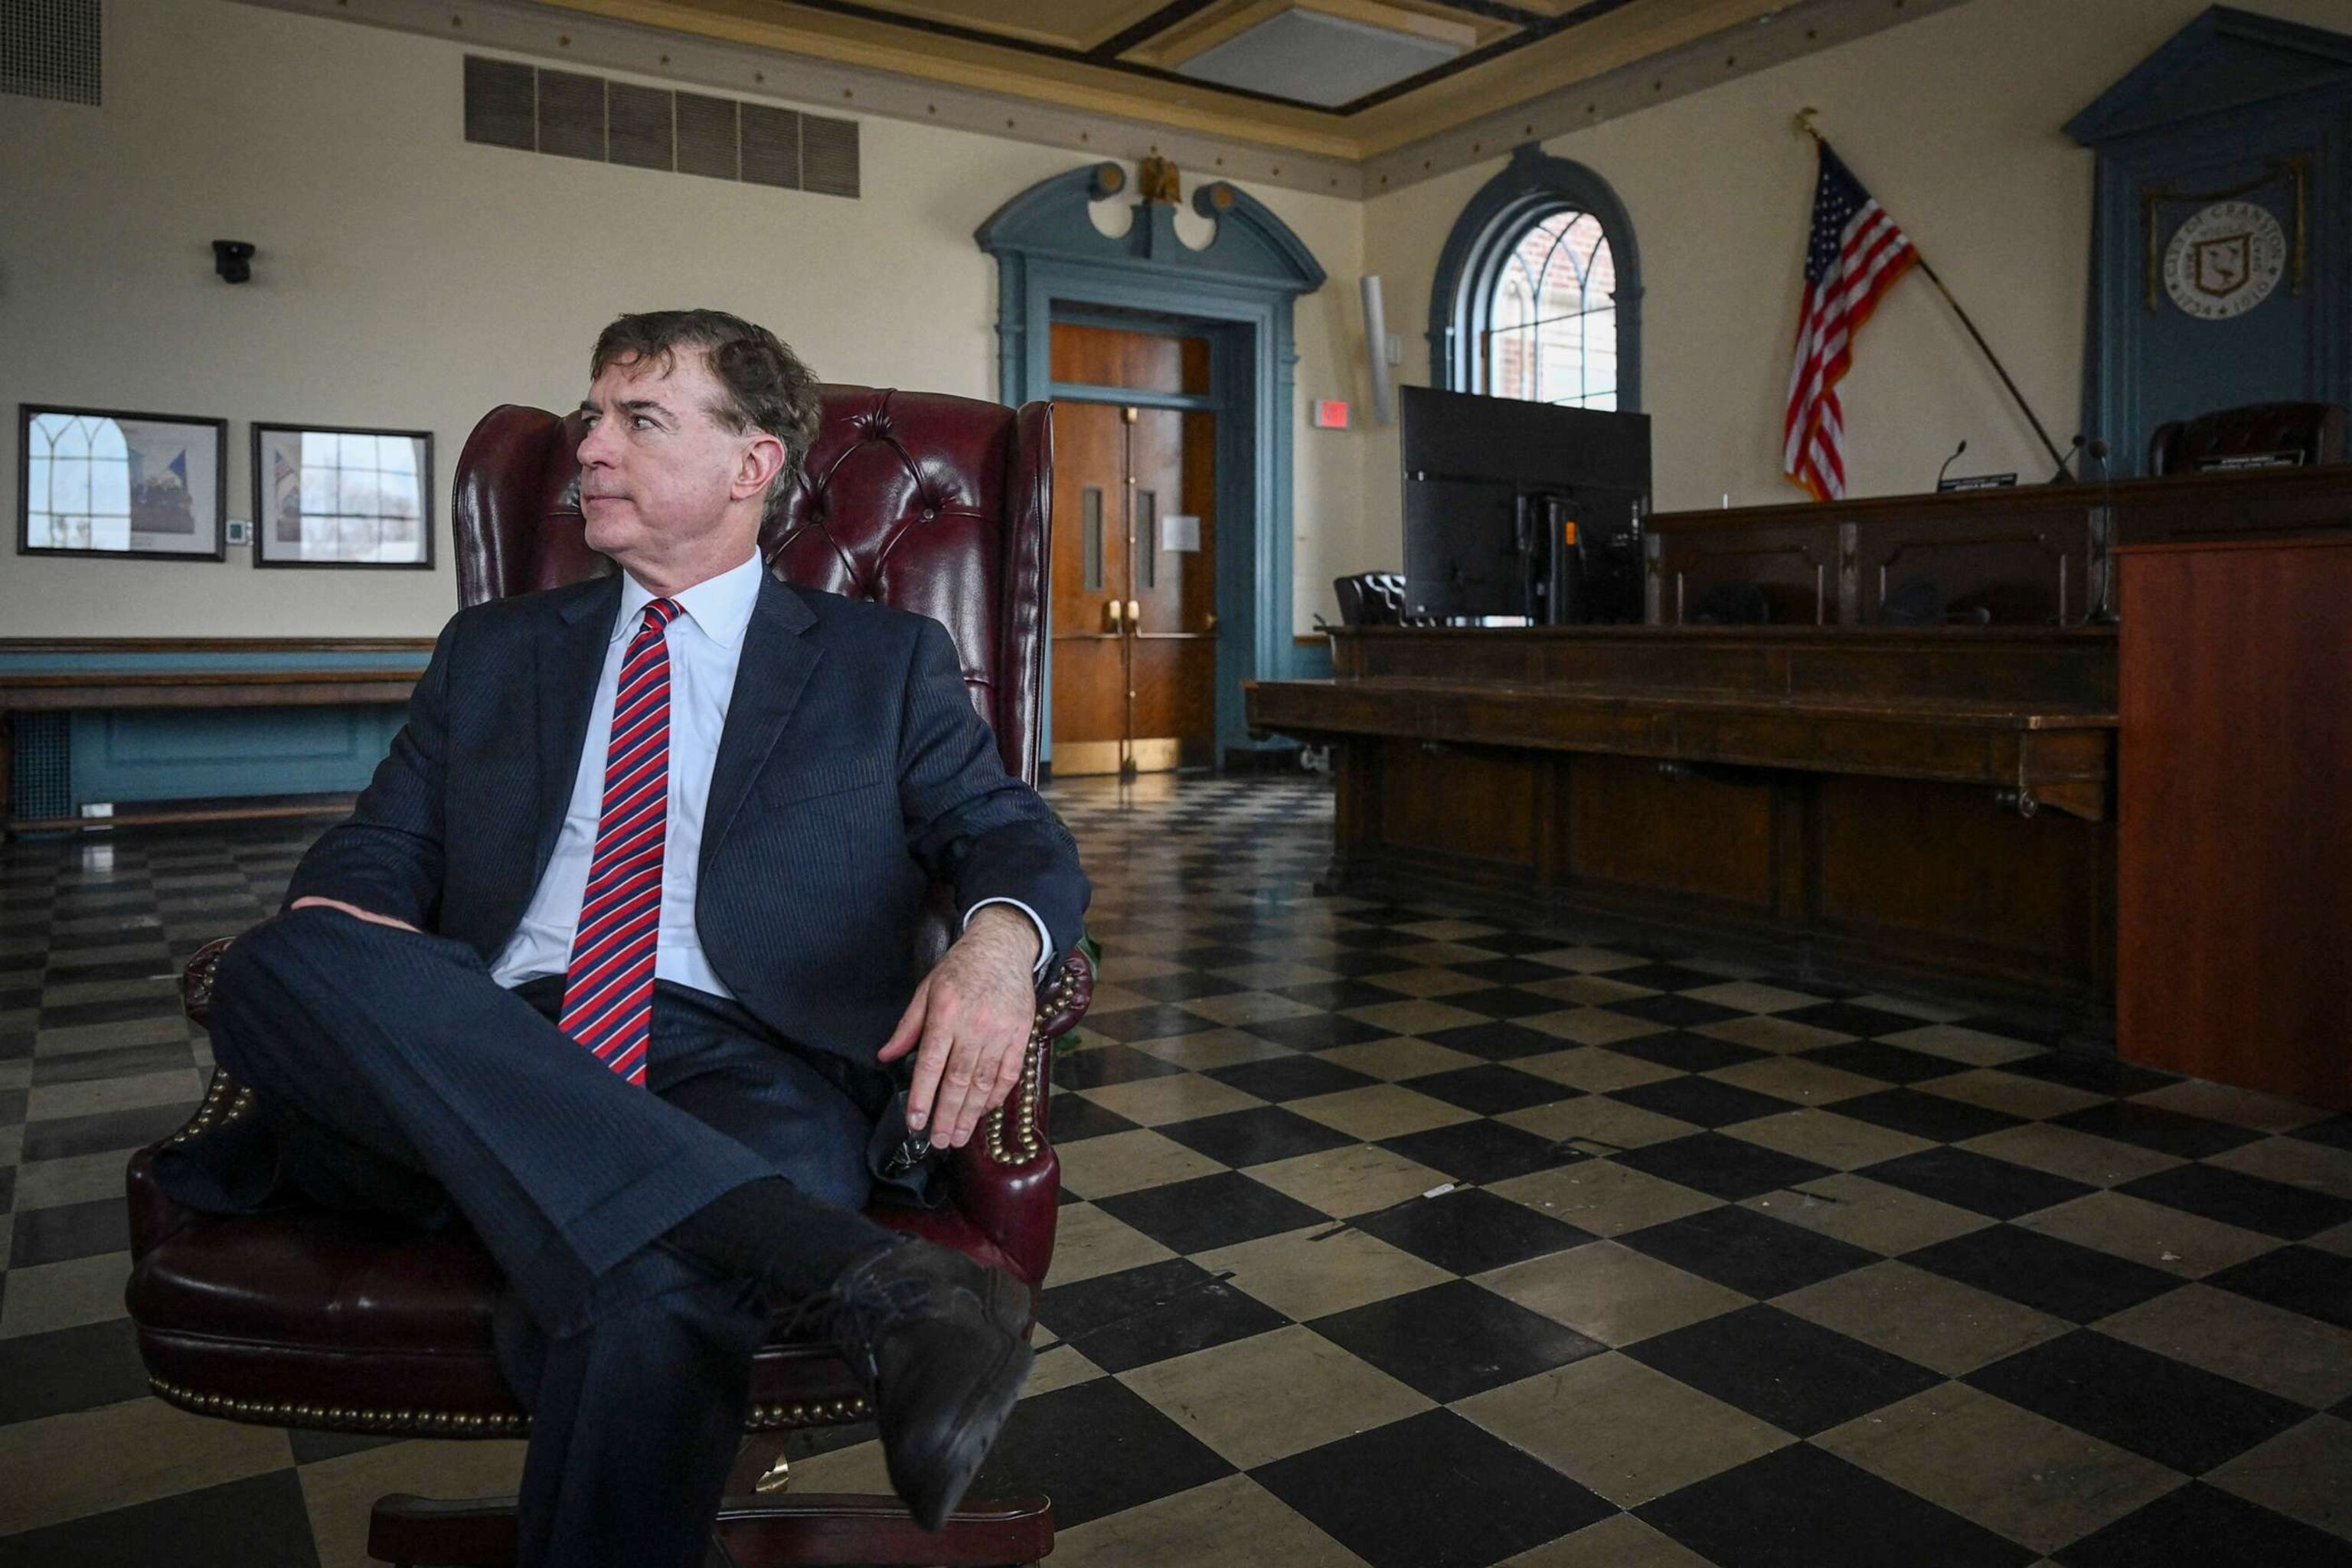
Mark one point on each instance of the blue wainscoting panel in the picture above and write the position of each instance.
(172, 753)
(66, 761)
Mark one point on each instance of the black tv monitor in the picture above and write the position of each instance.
(1521, 508)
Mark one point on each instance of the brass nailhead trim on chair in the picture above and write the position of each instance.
(806, 1413)
(225, 1101)
(1024, 1144)
(464, 1424)
(339, 1417)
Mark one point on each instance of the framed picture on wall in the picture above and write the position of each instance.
(94, 482)
(324, 496)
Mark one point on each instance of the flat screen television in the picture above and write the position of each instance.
(1521, 508)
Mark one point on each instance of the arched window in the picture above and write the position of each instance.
(1537, 293)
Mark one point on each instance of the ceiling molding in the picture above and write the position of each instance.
(1709, 62)
(1214, 133)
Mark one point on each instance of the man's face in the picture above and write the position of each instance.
(660, 473)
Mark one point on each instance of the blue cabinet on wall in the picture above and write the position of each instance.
(2221, 249)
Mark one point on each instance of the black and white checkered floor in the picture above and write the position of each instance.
(1390, 1236)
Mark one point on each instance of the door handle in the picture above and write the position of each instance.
(1134, 613)
(1117, 610)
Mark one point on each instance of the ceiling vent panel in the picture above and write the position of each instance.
(1311, 58)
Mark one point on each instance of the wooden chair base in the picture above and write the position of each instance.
(817, 1530)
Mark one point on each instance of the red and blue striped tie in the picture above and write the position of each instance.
(608, 989)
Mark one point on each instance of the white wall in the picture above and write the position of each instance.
(1953, 122)
(409, 279)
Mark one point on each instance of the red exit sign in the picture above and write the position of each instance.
(1331, 413)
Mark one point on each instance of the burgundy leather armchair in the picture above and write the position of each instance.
(335, 1322)
(2317, 430)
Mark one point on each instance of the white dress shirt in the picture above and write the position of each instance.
(706, 643)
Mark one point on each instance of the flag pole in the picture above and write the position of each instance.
(1805, 124)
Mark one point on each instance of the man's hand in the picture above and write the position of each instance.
(354, 910)
(971, 1016)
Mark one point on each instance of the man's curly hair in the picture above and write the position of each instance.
(768, 387)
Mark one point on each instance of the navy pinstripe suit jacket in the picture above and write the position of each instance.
(853, 773)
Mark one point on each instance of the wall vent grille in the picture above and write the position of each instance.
(571, 114)
(43, 767)
(50, 48)
(574, 115)
(829, 157)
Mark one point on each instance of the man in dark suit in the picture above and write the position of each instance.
(615, 958)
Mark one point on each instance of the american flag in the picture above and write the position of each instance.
(1855, 256)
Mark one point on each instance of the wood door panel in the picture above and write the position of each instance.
(1175, 688)
(1134, 623)
(1174, 591)
(1090, 573)
(1140, 362)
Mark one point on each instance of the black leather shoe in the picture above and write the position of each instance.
(940, 1343)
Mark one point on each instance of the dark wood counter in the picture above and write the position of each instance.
(1929, 807)
(2032, 555)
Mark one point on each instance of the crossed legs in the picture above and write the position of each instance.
(402, 1076)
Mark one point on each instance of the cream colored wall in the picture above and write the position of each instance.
(1953, 122)
(408, 279)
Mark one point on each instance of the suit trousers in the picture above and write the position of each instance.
(398, 1078)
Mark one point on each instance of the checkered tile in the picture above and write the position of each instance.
(1391, 1235)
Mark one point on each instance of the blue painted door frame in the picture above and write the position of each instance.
(2225, 106)
(1053, 264)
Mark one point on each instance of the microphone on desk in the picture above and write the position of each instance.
(1948, 462)
(2062, 475)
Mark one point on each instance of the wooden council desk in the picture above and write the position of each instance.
(1930, 808)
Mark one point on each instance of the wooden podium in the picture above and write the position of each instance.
(2235, 912)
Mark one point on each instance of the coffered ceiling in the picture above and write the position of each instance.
(1346, 98)
(1344, 78)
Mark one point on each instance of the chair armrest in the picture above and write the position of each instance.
(197, 978)
(1006, 1180)
(1060, 1007)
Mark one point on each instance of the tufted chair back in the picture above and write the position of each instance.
(919, 500)
(2317, 430)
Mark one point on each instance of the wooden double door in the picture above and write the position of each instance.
(1133, 638)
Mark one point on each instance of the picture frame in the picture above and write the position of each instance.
(103, 482)
(342, 496)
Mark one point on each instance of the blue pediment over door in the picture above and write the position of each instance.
(1249, 247)
(2225, 59)
(2222, 235)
